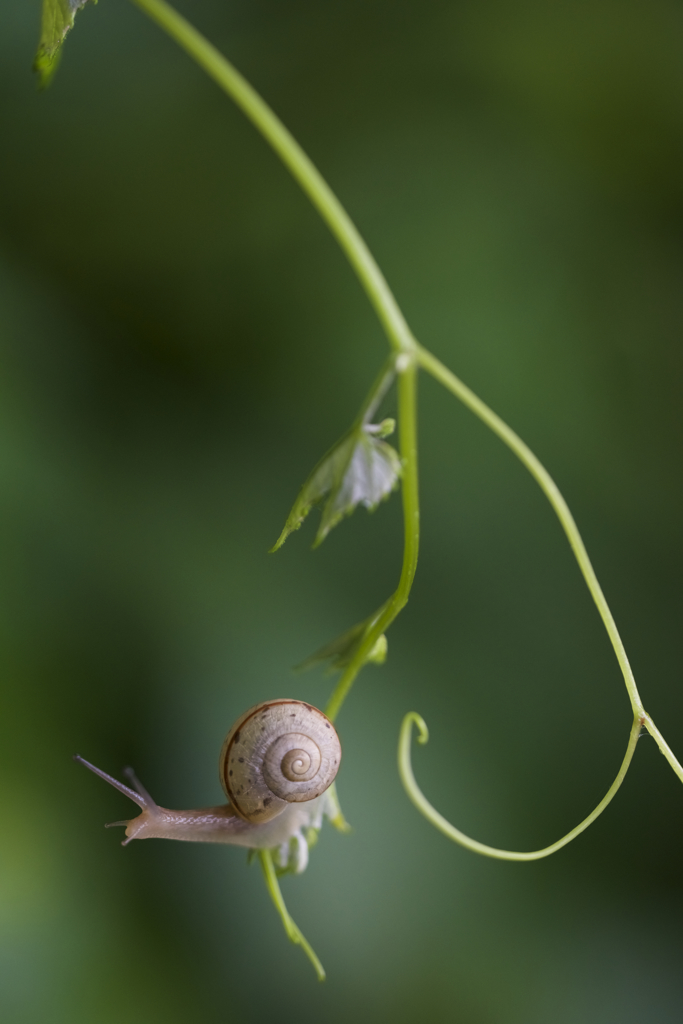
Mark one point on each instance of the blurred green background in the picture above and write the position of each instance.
(181, 340)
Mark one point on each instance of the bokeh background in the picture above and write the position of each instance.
(180, 341)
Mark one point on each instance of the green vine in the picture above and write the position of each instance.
(331, 478)
(293, 932)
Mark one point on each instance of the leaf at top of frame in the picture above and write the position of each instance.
(58, 18)
(361, 469)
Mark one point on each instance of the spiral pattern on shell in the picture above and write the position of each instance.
(278, 752)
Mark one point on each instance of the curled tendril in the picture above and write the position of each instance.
(423, 805)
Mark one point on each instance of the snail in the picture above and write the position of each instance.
(276, 767)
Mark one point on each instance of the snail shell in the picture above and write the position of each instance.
(278, 752)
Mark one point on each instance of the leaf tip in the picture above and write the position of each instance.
(341, 824)
(279, 542)
(319, 538)
(57, 20)
(45, 65)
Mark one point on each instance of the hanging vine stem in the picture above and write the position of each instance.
(409, 356)
(407, 427)
(294, 933)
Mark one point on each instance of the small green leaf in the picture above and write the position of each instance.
(338, 651)
(58, 18)
(341, 650)
(361, 469)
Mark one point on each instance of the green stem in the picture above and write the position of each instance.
(552, 493)
(663, 746)
(293, 932)
(432, 815)
(376, 393)
(407, 430)
(293, 156)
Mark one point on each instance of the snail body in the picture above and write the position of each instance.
(276, 767)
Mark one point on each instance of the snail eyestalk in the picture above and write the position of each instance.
(417, 797)
(138, 787)
(142, 799)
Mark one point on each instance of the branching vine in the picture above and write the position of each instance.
(362, 468)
